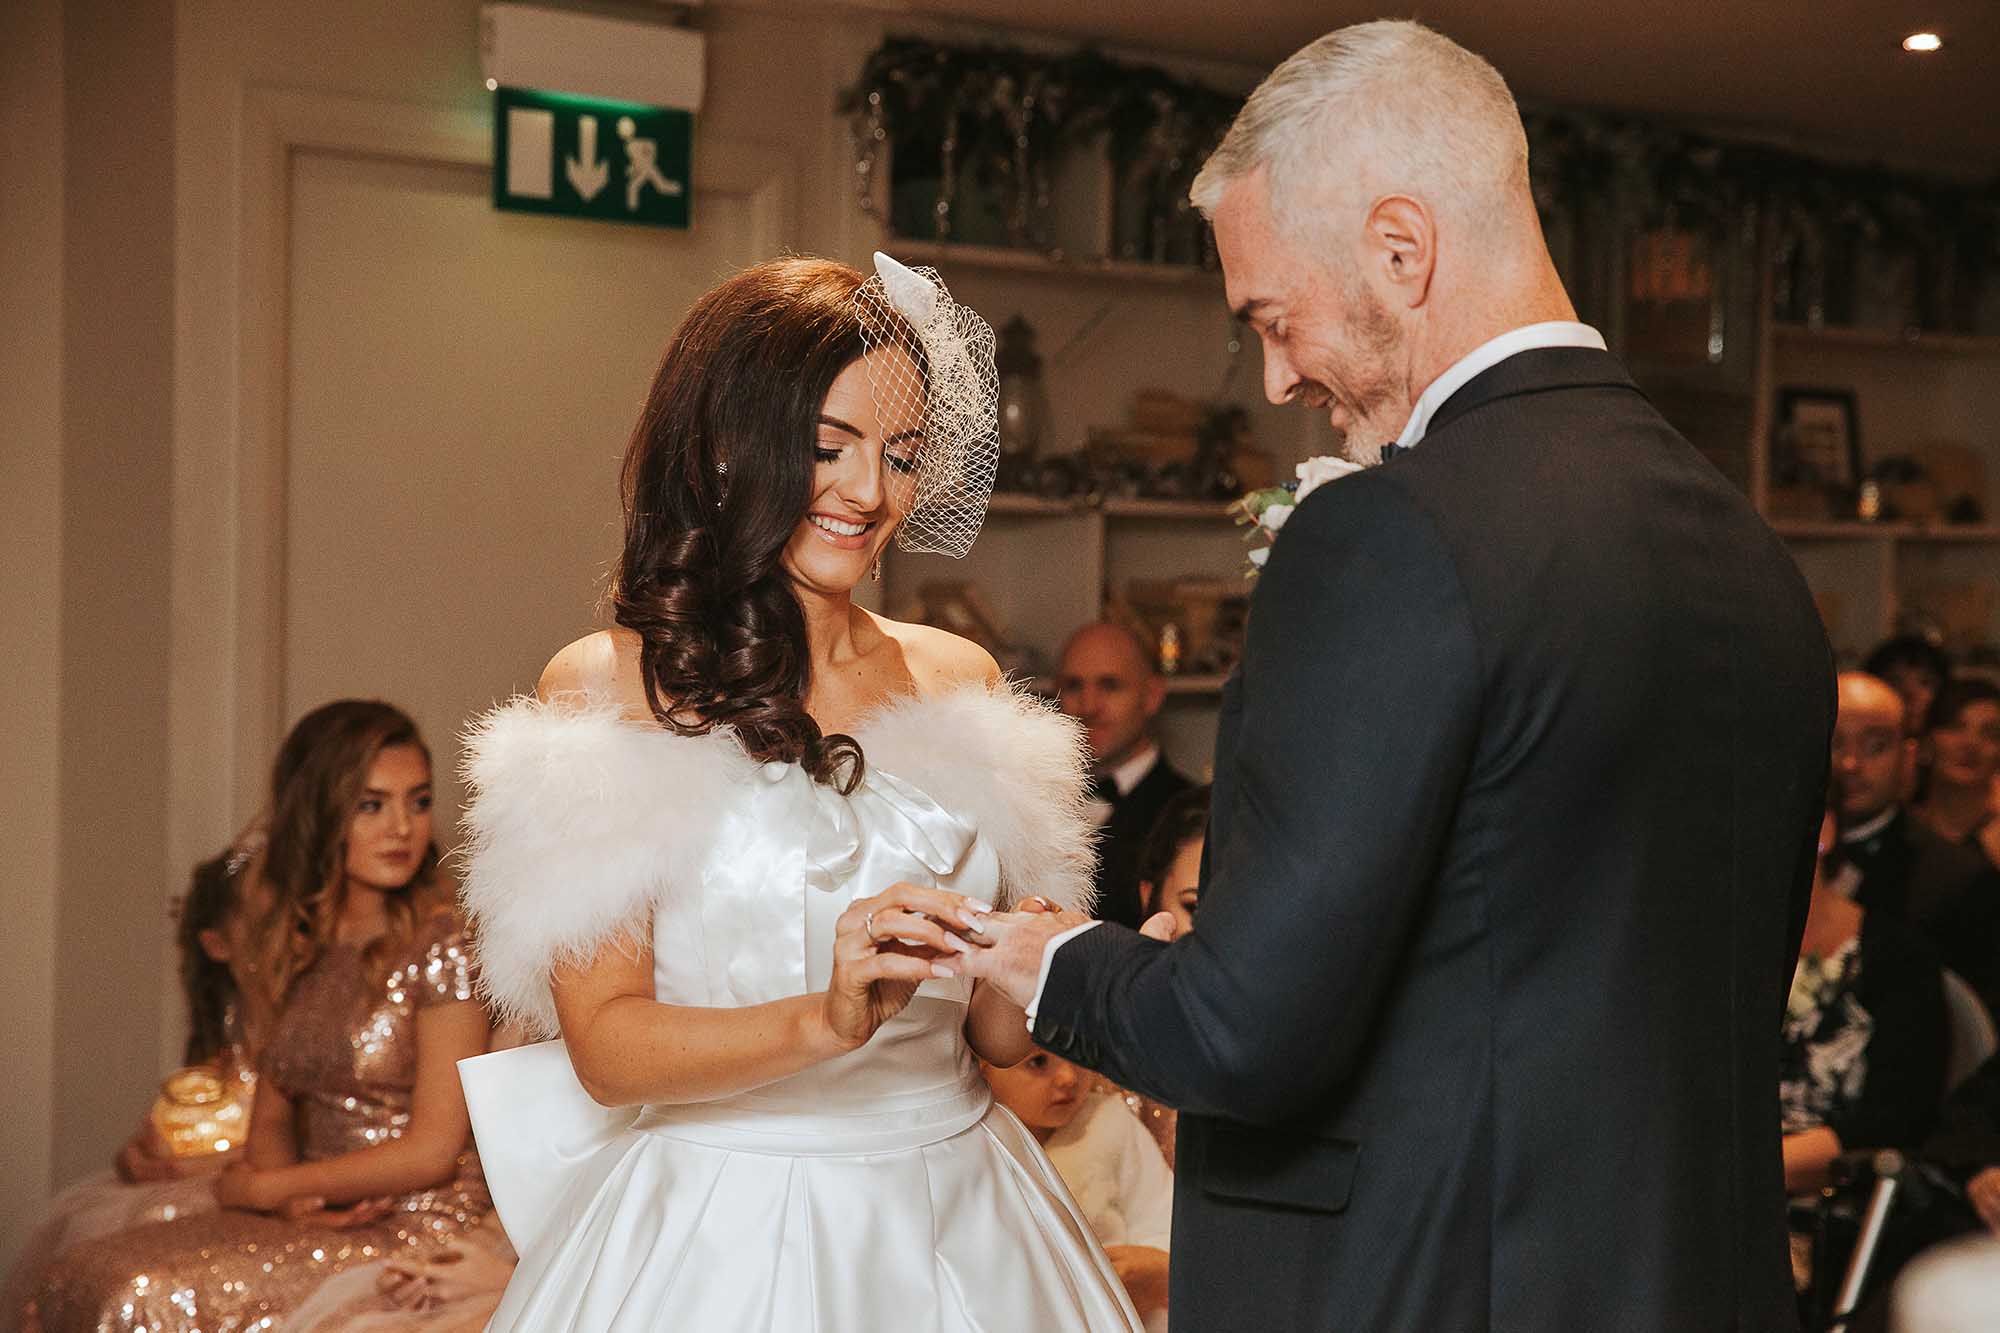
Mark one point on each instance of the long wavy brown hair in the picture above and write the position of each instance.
(716, 480)
(316, 785)
(211, 900)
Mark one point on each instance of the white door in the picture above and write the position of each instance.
(460, 385)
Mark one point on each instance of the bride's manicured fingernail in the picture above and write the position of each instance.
(983, 908)
(955, 943)
(973, 922)
(942, 972)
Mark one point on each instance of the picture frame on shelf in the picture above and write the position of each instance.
(1818, 439)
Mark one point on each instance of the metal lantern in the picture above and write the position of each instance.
(1024, 404)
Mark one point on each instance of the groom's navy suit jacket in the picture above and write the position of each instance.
(1514, 815)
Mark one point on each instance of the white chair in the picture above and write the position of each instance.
(1972, 1038)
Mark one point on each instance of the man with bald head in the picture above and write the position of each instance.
(1516, 792)
(1948, 891)
(1107, 682)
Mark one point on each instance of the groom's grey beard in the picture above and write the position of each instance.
(1368, 452)
(1375, 332)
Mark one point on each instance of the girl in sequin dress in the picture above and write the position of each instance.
(228, 1014)
(359, 1140)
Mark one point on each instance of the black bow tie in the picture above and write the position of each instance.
(1105, 790)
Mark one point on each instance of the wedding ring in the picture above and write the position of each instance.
(868, 924)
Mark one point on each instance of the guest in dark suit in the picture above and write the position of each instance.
(1947, 890)
(1515, 794)
(1108, 683)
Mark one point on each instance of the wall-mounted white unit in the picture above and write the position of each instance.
(528, 46)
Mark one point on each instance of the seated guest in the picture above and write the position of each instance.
(359, 1139)
(1862, 1065)
(1865, 1032)
(1107, 682)
(1963, 737)
(1169, 870)
(1915, 668)
(1113, 1170)
(1900, 867)
(154, 1179)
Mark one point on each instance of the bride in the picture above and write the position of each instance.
(733, 850)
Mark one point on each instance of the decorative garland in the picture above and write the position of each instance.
(1005, 116)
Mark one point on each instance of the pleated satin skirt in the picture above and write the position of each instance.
(943, 1218)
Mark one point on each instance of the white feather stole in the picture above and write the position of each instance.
(577, 820)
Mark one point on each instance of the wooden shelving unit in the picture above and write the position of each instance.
(1834, 530)
(1880, 340)
(953, 255)
(1908, 388)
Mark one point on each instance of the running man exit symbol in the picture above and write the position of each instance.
(551, 155)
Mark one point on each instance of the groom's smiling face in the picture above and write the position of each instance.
(1328, 341)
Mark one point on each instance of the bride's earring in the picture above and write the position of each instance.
(876, 573)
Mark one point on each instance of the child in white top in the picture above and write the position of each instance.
(1111, 1164)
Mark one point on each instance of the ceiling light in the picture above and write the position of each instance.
(1922, 41)
(492, 85)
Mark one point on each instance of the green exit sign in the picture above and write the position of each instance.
(585, 158)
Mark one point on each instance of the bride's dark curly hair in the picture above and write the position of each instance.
(716, 480)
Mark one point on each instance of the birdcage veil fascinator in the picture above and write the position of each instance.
(936, 393)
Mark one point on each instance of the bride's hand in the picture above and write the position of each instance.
(886, 946)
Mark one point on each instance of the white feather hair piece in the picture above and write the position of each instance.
(909, 291)
(579, 821)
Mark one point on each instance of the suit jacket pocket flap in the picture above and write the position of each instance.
(1277, 1168)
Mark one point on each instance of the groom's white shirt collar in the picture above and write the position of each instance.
(1554, 333)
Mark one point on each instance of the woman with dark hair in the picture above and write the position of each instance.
(1915, 668)
(358, 1139)
(733, 851)
(1170, 863)
(195, 1126)
(1962, 738)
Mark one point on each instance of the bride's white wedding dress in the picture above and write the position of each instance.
(881, 1190)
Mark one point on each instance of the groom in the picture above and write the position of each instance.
(1515, 795)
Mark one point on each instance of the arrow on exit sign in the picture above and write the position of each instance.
(583, 157)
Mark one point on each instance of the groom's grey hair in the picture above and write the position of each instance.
(1389, 107)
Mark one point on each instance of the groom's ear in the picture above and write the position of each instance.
(1399, 249)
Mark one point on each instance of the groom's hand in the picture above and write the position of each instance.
(1011, 962)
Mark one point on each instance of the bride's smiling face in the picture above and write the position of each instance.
(864, 474)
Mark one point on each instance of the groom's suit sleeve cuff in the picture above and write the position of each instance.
(1048, 961)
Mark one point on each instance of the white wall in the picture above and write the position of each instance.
(31, 279)
(118, 358)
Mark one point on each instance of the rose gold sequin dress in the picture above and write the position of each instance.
(345, 1051)
(104, 1203)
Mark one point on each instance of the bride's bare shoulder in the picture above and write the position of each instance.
(938, 659)
(603, 663)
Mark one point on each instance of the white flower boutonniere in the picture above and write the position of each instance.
(1264, 512)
